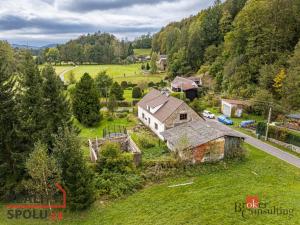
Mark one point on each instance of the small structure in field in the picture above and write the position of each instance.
(200, 141)
(162, 62)
(116, 136)
(233, 108)
(189, 85)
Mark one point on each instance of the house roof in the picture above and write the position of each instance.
(294, 116)
(183, 83)
(155, 98)
(237, 102)
(196, 133)
(194, 78)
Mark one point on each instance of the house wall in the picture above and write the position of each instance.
(174, 119)
(153, 120)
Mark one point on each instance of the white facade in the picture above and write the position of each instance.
(230, 110)
(150, 121)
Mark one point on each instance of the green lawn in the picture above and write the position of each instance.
(119, 73)
(60, 69)
(159, 149)
(142, 51)
(97, 131)
(209, 200)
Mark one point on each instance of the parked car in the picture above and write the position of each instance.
(208, 114)
(247, 123)
(226, 120)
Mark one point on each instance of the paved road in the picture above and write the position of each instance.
(289, 158)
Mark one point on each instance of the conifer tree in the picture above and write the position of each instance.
(9, 171)
(76, 175)
(31, 103)
(86, 101)
(56, 105)
(117, 90)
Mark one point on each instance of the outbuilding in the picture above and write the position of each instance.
(233, 108)
(201, 141)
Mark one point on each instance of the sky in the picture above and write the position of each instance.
(42, 22)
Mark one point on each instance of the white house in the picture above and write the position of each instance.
(160, 112)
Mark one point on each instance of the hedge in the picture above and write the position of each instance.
(280, 134)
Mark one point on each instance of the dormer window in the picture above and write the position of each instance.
(183, 116)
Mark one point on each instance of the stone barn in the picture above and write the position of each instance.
(200, 141)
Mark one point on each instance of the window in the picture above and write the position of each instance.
(207, 156)
(149, 121)
(143, 115)
(183, 116)
(156, 126)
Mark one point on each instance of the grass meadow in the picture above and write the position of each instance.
(209, 200)
(142, 51)
(130, 73)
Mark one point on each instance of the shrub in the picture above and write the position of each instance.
(136, 92)
(151, 84)
(121, 115)
(145, 142)
(115, 185)
(124, 84)
(277, 133)
(198, 105)
(113, 159)
(124, 104)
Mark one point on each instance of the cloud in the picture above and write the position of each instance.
(91, 5)
(57, 21)
(12, 22)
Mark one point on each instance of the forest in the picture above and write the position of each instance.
(100, 48)
(250, 49)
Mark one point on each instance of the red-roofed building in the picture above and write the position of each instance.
(189, 85)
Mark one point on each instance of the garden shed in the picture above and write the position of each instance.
(233, 108)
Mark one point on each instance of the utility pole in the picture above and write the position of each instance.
(269, 120)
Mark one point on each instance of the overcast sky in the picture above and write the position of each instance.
(41, 22)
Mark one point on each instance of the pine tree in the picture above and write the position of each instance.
(136, 92)
(31, 103)
(148, 66)
(76, 175)
(117, 90)
(112, 103)
(9, 170)
(56, 105)
(154, 58)
(86, 105)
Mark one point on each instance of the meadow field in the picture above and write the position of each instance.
(210, 199)
(141, 51)
(130, 73)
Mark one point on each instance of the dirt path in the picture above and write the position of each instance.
(62, 74)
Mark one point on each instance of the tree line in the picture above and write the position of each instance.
(38, 142)
(100, 48)
(248, 47)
